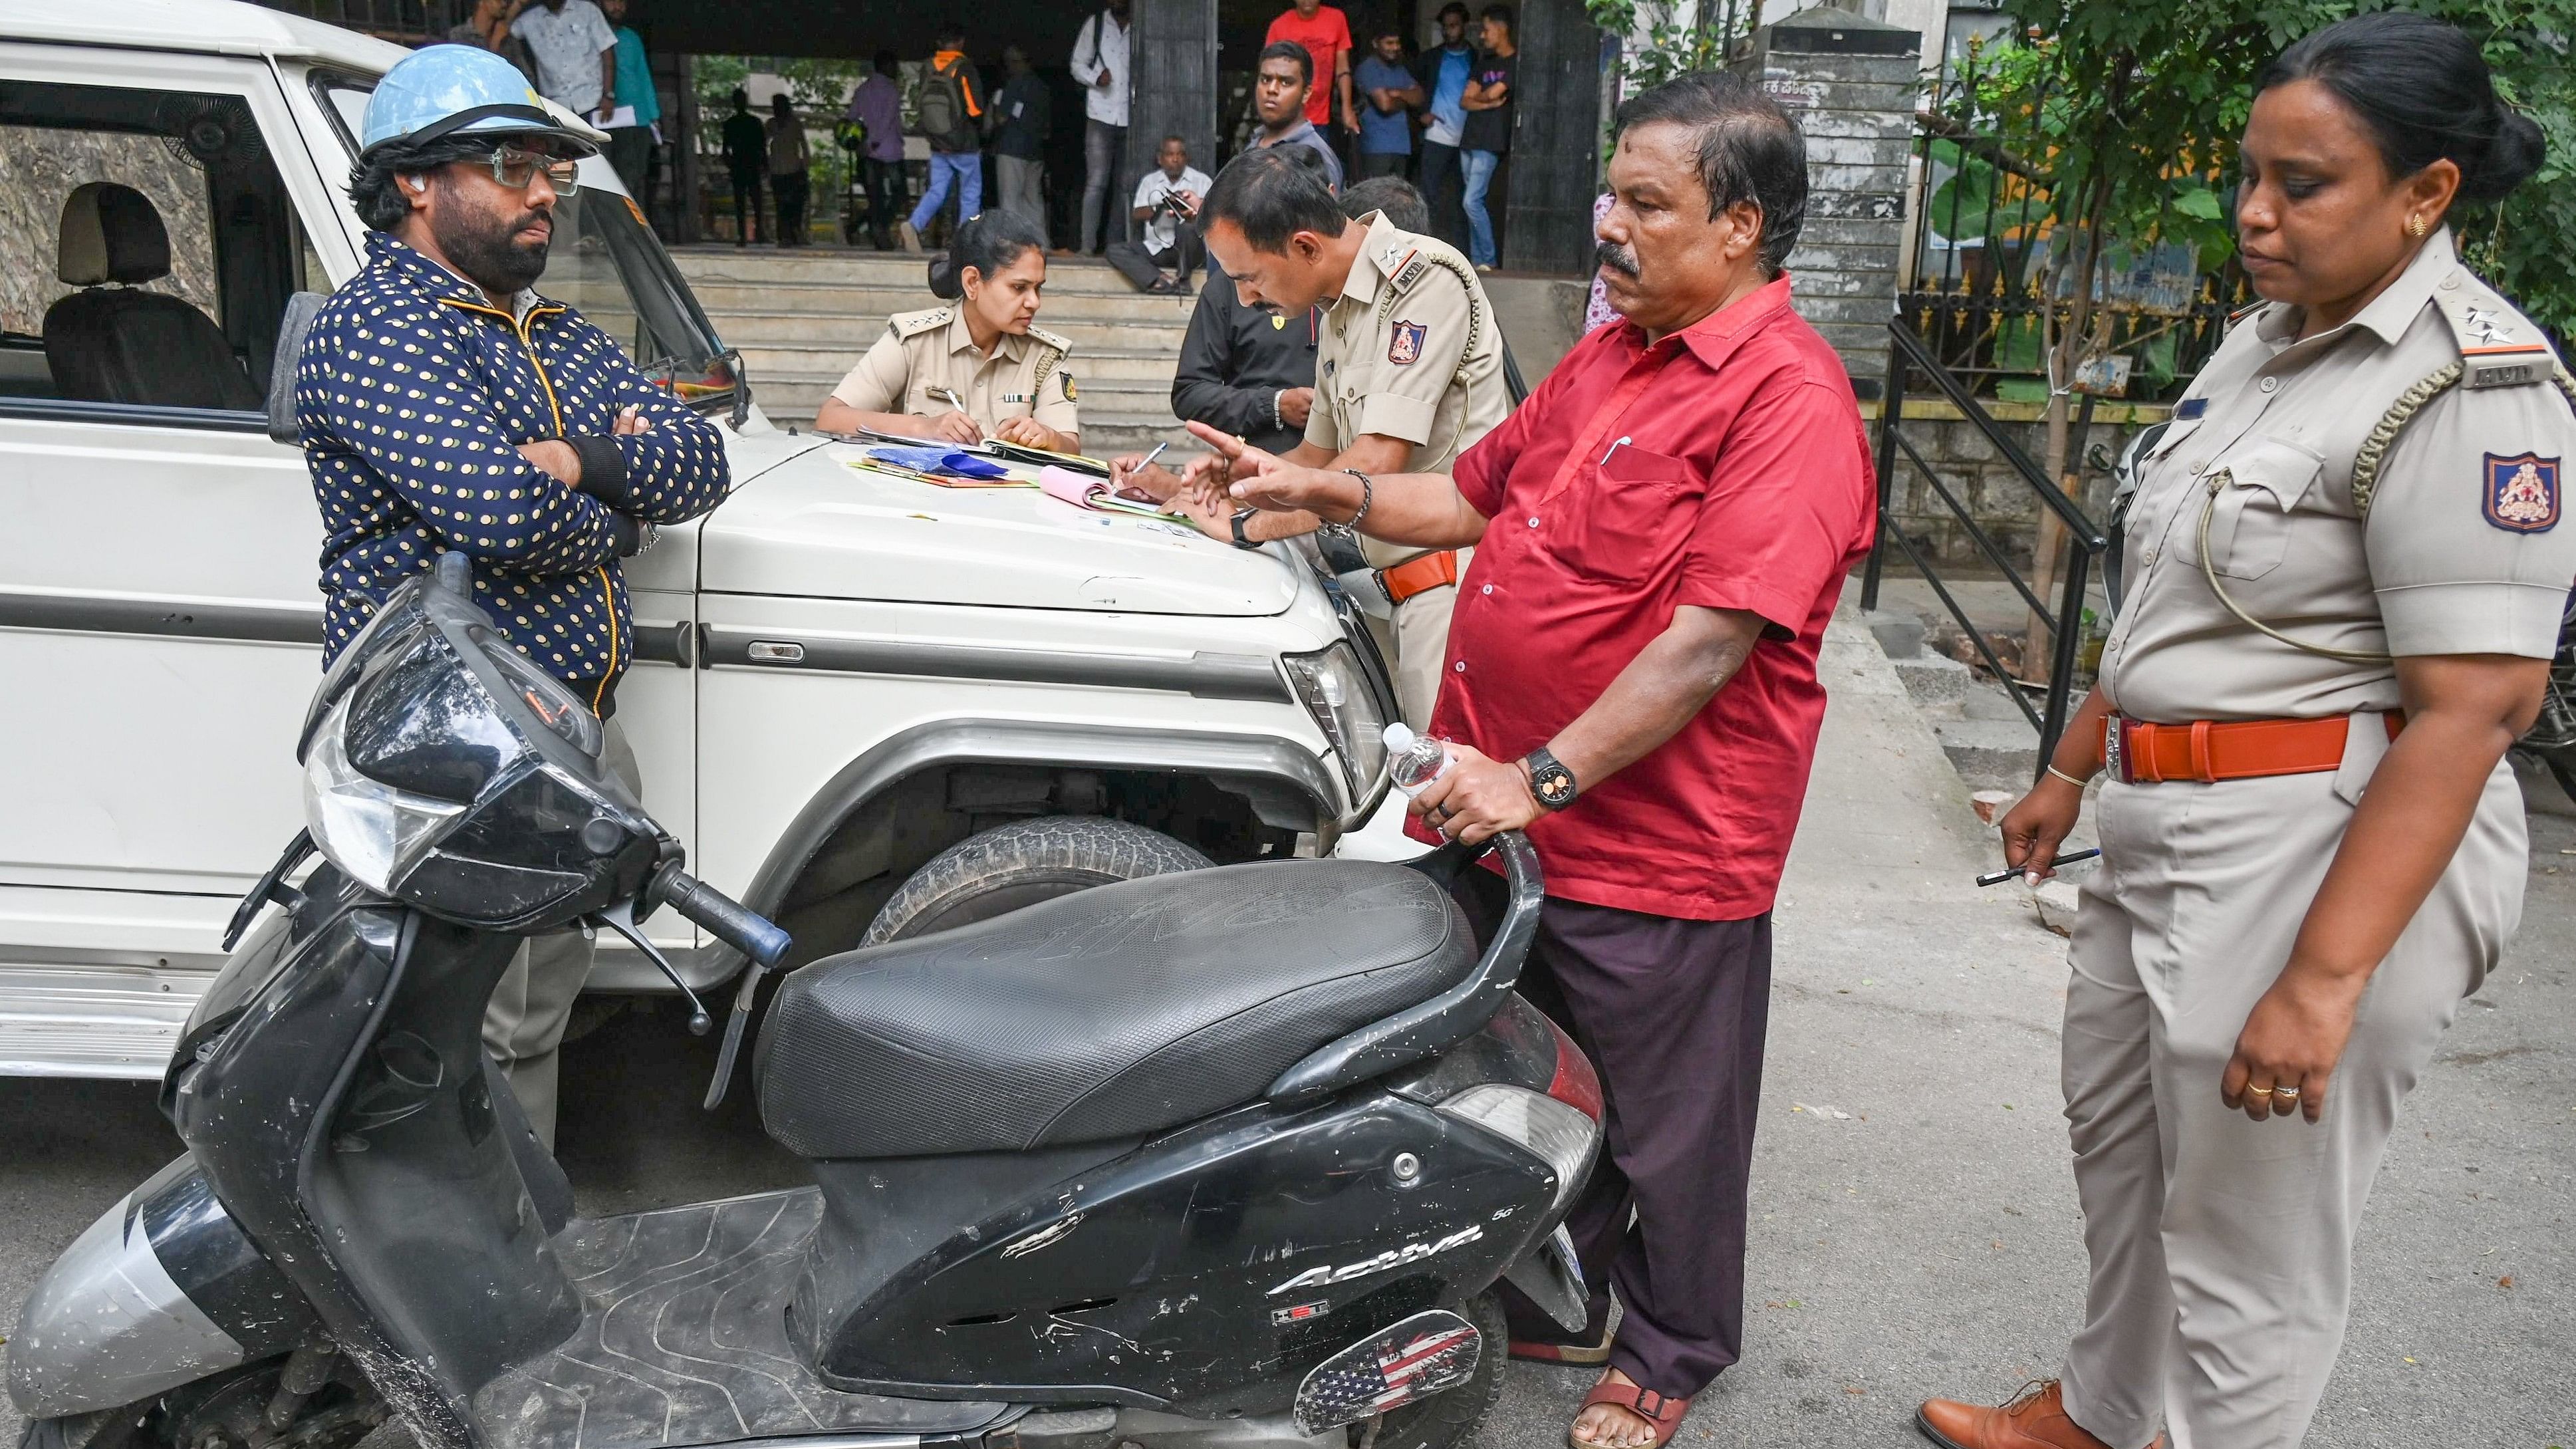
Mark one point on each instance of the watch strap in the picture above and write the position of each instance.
(1241, 539)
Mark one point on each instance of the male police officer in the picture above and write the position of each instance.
(1408, 373)
(446, 407)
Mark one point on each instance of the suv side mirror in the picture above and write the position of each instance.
(300, 311)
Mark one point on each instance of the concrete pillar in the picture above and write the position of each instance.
(1849, 82)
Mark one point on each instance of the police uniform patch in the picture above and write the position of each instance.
(1404, 344)
(2522, 493)
(1069, 394)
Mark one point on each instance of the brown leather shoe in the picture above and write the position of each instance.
(2035, 1419)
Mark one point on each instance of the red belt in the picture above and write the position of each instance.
(2135, 752)
(1420, 575)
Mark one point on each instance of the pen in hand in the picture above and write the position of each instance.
(2070, 858)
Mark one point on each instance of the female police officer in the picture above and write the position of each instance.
(2347, 569)
(975, 368)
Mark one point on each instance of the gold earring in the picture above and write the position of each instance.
(2417, 226)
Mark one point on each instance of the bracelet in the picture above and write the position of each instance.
(2061, 774)
(1368, 497)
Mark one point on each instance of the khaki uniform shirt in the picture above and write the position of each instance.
(1024, 377)
(2462, 550)
(1409, 351)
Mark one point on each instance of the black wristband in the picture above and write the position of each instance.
(603, 469)
(625, 533)
(1242, 539)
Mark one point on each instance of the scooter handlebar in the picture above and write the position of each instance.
(732, 922)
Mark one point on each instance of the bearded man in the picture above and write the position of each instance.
(445, 407)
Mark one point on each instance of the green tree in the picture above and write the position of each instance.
(2127, 115)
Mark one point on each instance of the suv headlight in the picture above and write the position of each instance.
(1330, 683)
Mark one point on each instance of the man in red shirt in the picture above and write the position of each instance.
(1326, 34)
(1661, 532)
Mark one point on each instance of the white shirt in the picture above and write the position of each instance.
(566, 44)
(1102, 42)
(1160, 232)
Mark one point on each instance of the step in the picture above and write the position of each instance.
(1997, 752)
(1938, 683)
(1089, 336)
(875, 299)
(836, 359)
(893, 269)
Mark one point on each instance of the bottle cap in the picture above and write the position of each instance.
(1399, 736)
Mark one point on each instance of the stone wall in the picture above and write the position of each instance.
(1975, 472)
(39, 168)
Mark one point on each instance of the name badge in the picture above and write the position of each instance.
(1012, 397)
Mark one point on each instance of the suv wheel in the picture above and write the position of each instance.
(1020, 864)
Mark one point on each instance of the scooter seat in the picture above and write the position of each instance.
(1113, 1012)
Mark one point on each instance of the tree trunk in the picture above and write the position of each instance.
(2049, 542)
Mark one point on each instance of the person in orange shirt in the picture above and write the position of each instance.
(1326, 34)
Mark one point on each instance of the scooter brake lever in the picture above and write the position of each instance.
(621, 919)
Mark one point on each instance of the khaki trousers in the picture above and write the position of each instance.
(2222, 1247)
(1422, 649)
(523, 1025)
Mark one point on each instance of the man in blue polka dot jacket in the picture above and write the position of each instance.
(446, 407)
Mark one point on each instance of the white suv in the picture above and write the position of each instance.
(868, 707)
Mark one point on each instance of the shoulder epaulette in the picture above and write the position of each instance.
(1408, 258)
(2499, 347)
(913, 324)
(1061, 345)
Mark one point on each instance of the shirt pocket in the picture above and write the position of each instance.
(1631, 515)
(2249, 516)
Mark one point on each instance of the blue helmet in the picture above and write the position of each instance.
(449, 90)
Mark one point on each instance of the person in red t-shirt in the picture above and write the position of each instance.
(1661, 532)
(1326, 34)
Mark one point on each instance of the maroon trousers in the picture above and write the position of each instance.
(1673, 1013)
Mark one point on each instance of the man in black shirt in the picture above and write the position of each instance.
(1488, 133)
(746, 153)
(1019, 141)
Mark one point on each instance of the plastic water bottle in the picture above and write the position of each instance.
(1413, 760)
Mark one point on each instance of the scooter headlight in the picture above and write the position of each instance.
(372, 831)
(1334, 689)
(1560, 1134)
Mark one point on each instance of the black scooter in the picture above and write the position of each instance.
(1232, 1159)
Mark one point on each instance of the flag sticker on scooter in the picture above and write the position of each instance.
(1424, 1355)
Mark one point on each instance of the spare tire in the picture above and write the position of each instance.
(1020, 864)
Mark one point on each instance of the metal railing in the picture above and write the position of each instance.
(1909, 357)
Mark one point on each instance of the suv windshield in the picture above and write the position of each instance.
(607, 264)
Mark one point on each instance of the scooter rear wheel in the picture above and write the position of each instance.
(1450, 1418)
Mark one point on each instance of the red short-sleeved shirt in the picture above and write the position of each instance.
(1326, 37)
(1737, 476)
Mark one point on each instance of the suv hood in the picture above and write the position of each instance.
(813, 526)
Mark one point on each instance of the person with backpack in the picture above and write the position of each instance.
(953, 120)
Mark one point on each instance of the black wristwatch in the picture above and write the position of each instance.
(1551, 784)
(1241, 540)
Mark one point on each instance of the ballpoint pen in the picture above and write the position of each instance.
(1999, 877)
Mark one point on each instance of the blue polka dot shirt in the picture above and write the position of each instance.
(413, 393)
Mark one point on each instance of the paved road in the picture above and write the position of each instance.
(1916, 1226)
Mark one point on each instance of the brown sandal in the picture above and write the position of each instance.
(1666, 1413)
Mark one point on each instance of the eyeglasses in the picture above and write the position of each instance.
(515, 168)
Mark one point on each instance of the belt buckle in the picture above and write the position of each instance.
(2115, 751)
